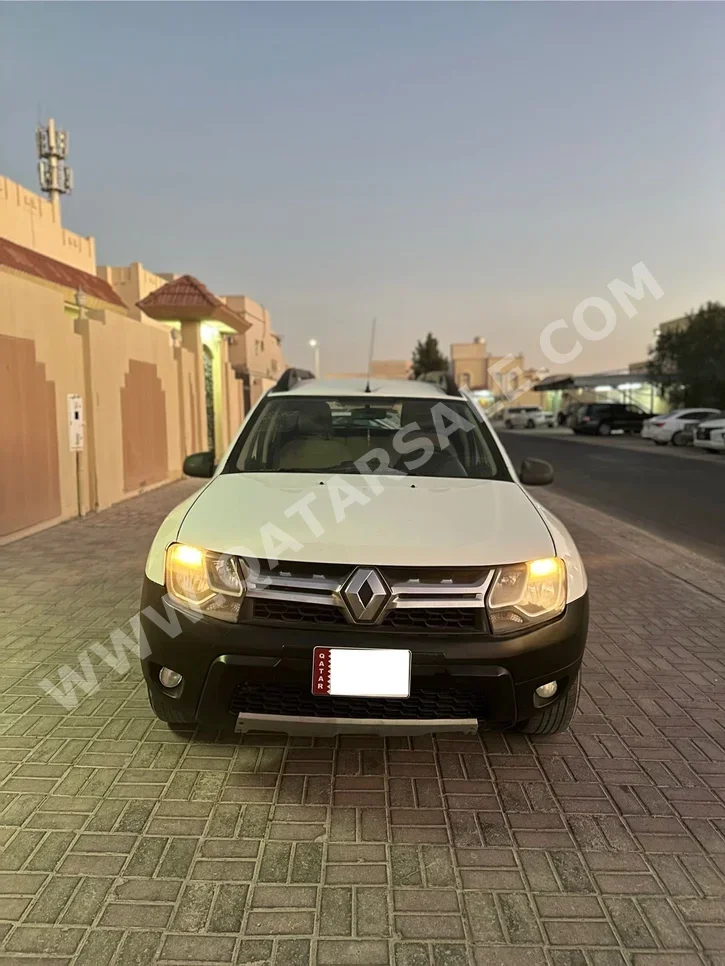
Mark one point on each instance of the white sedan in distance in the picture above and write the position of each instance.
(669, 427)
(527, 417)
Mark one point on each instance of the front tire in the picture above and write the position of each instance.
(604, 429)
(554, 718)
(173, 717)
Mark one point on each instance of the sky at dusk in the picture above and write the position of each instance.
(468, 169)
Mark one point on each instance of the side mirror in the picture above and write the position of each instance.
(536, 473)
(199, 464)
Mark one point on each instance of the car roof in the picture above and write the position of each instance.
(408, 388)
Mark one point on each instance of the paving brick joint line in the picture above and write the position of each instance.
(125, 844)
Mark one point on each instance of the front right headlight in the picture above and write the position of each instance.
(202, 580)
(525, 594)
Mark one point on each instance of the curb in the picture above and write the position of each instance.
(701, 573)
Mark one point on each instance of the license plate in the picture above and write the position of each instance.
(361, 672)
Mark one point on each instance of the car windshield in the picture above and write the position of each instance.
(414, 437)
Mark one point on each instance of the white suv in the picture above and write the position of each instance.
(364, 558)
(710, 434)
(527, 417)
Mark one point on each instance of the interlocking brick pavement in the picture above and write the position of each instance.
(125, 843)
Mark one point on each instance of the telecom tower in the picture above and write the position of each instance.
(56, 178)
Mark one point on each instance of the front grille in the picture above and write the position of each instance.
(299, 568)
(424, 600)
(296, 702)
(424, 620)
(703, 434)
(435, 575)
(433, 619)
(293, 612)
(393, 575)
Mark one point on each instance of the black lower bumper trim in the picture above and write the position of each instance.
(232, 669)
(291, 701)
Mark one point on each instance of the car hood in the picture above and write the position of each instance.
(395, 522)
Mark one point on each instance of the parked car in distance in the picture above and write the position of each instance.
(527, 417)
(671, 427)
(601, 419)
(710, 434)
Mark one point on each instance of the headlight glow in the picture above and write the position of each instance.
(186, 556)
(204, 581)
(526, 594)
(543, 567)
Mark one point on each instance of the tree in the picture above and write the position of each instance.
(688, 363)
(427, 357)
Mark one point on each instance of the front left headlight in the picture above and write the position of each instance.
(526, 594)
(202, 580)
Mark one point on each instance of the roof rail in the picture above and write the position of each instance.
(444, 380)
(290, 378)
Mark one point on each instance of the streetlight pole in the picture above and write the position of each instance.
(315, 346)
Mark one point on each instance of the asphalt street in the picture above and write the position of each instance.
(675, 494)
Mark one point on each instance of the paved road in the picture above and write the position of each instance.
(125, 844)
(672, 493)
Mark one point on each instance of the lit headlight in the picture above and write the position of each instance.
(205, 581)
(526, 594)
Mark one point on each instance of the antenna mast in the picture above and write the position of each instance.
(370, 357)
(56, 177)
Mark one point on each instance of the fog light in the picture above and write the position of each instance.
(169, 678)
(548, 690)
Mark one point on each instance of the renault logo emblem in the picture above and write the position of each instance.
(366, 595)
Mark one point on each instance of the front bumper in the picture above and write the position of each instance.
(716, 442)
(233, 673)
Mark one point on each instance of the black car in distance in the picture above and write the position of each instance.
(601, 419)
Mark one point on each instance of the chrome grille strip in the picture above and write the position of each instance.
(297, 596)
(408, 594)
(319, 585)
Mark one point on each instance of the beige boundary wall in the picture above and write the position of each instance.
(132, 282)
(142, 382)
(41, 363)
(143, 396)
(31, 221)
(133, 395)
